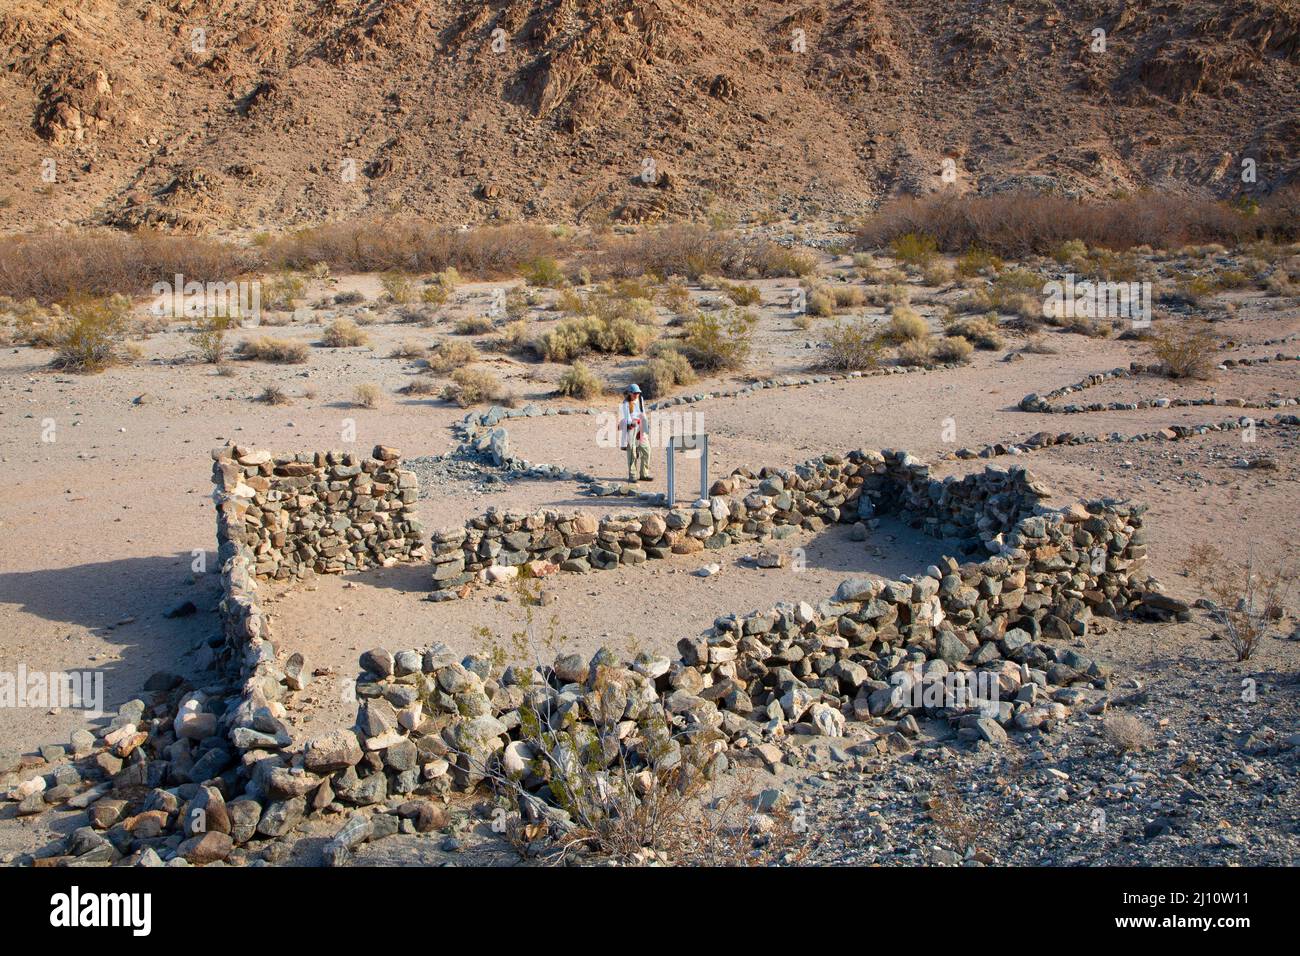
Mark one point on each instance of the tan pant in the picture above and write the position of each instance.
(638, 461)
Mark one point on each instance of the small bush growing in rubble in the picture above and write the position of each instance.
(851, 346)
(720, 340)
(274, 395)
(265, 348)
(408, 349)
(342, 334)
(579, 381)
(1185, 353)
(977, 261)
(471, 386)
(1126, 733)
(1247, 602)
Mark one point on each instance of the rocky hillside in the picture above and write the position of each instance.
(214, 115)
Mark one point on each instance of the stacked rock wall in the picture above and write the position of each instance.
(323, 512)
(1001, 628)
(743, 507)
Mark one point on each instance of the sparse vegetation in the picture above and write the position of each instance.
(578, 381)
(367, 395)
(1247, 601)
(851, 346)
(343, 334)
(717, 341)
(906, 325)
(472, 386)
(266, 348)
(1185, 353)
(661, 373)
(90, 334)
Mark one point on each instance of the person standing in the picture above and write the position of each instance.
(634, 434)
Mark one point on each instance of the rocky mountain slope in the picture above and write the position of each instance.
(216, 115)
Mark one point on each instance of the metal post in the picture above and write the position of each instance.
(672, 484)
(704, 467)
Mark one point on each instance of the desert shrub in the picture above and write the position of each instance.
(50, 266)
(1126, 733)
(343, 333)
(1245, 601)
(578, 381)
(772, 260)
(663, 372)
(210, 337)
(367, 395)
(571, 302)
(915, 352)
(349, 298)
(273, 395)
(1185, 353)
(1018, 224)
(977, 261)
(821, 302)
(851, 346)
(848, 296)
(414, 245)
(937, 273)
(408, 349)
(449, 354)
(473, 325)
(574, 337)
(471, 386)
(282, 290)
(676, 297)
(1092, 328)
(913, 249)
(905, 325)
(420, 385)
(982, 332)
(1070, 250)
(398, 286)
(720, 340)
(515, 337)
(265, 348)
(742, 294)
(90, 334)
(545, 272)
(889, 295)
(952, 348)
(1035, 345)
(628, 288)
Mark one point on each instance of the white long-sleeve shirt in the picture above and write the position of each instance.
(632, 422)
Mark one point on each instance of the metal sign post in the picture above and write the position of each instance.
(699, 443)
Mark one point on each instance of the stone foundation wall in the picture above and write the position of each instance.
(879, 652)
(976, 509)
(322, 512)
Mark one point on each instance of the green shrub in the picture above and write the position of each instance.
(914, 249)
(977, 261)
(282, 291)
(915, 352)
(742, 294)
(905, 325)
(398, 286)
(210, 337)
(450, 354)
(720, 340)
(852, 346)
(473, 325)
(982, 332)
(90, 335)
(660, 374)
(545, 272)
(579, 381)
